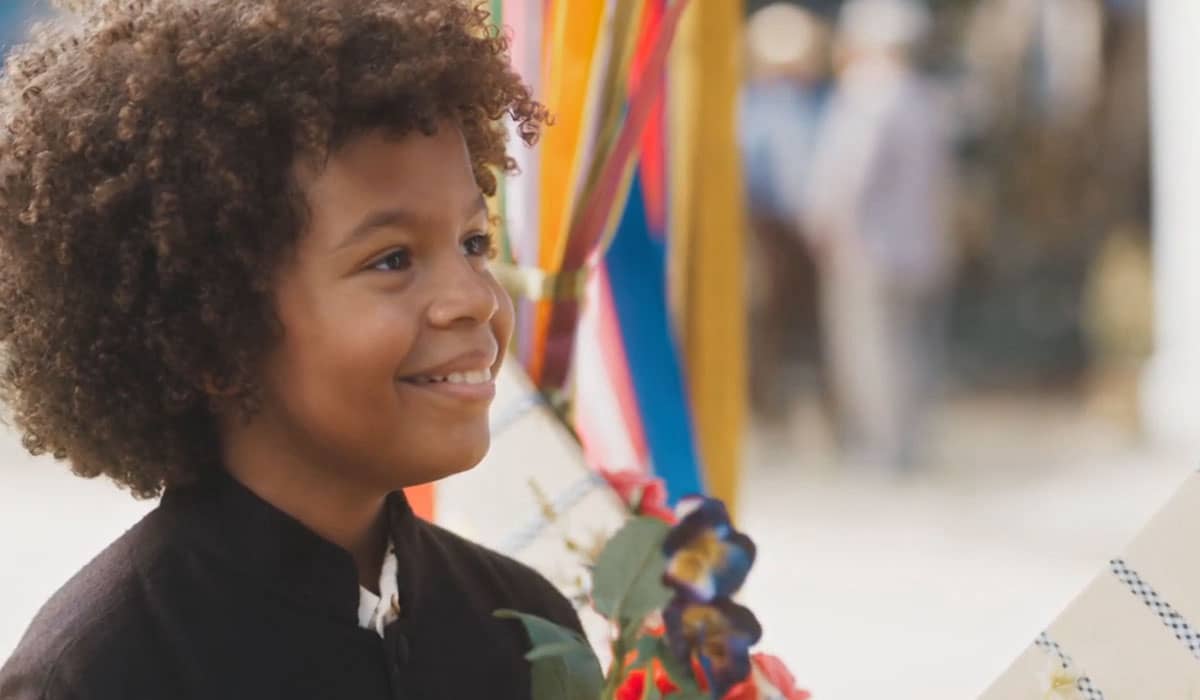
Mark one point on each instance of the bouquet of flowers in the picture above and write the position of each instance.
(665, 582)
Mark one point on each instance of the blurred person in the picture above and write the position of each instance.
(1040, 57)
(1118, 319)
(781, 103)
(874, 215)
(785, 93)
(244, 264)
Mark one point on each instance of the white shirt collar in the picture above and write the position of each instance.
(375, 612)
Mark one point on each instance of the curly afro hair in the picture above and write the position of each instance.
(147, 196)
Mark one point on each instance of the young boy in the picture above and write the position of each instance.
(244, 264)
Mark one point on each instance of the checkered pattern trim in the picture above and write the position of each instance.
(1169, 616)
(505, 417)
(1087, 689)
(1052, 647)
(564, 502)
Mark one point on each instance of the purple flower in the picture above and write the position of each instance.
(706, 558)
(719, 634)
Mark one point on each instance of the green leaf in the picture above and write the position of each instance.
(651, 692)
(547, 651)
(562, 664)
(541, 631)
(647, 649)
(631, 633)
(548, 679)
(627, 581)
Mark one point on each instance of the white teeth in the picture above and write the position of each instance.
(481, 376)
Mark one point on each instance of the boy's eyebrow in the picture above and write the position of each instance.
(404, 218)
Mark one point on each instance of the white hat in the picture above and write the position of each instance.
(782, 33)
(884, 24)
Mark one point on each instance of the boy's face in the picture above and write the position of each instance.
(394, 327)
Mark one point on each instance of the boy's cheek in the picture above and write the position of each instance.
(502, 323)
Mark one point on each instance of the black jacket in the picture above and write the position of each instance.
(217, 594)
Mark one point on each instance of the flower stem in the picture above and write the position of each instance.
(617, 672)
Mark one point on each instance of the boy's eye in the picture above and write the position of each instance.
(394, 261)
(480, 245)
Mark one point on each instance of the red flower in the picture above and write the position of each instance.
(634, 685)
(780, 677)
(645, 495)
(701, 676)
(768, 669)
(662, 680)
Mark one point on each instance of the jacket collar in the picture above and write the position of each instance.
(237, 528)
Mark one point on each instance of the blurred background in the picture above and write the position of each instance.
(969, 357)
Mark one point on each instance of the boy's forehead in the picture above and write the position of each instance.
(428, 177)
(378, 159)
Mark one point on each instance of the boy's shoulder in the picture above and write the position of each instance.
(88, 628)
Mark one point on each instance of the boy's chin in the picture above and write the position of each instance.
(453, 459)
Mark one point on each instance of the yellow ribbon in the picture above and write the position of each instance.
(535, 284)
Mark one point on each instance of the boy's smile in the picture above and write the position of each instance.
(469, 377)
